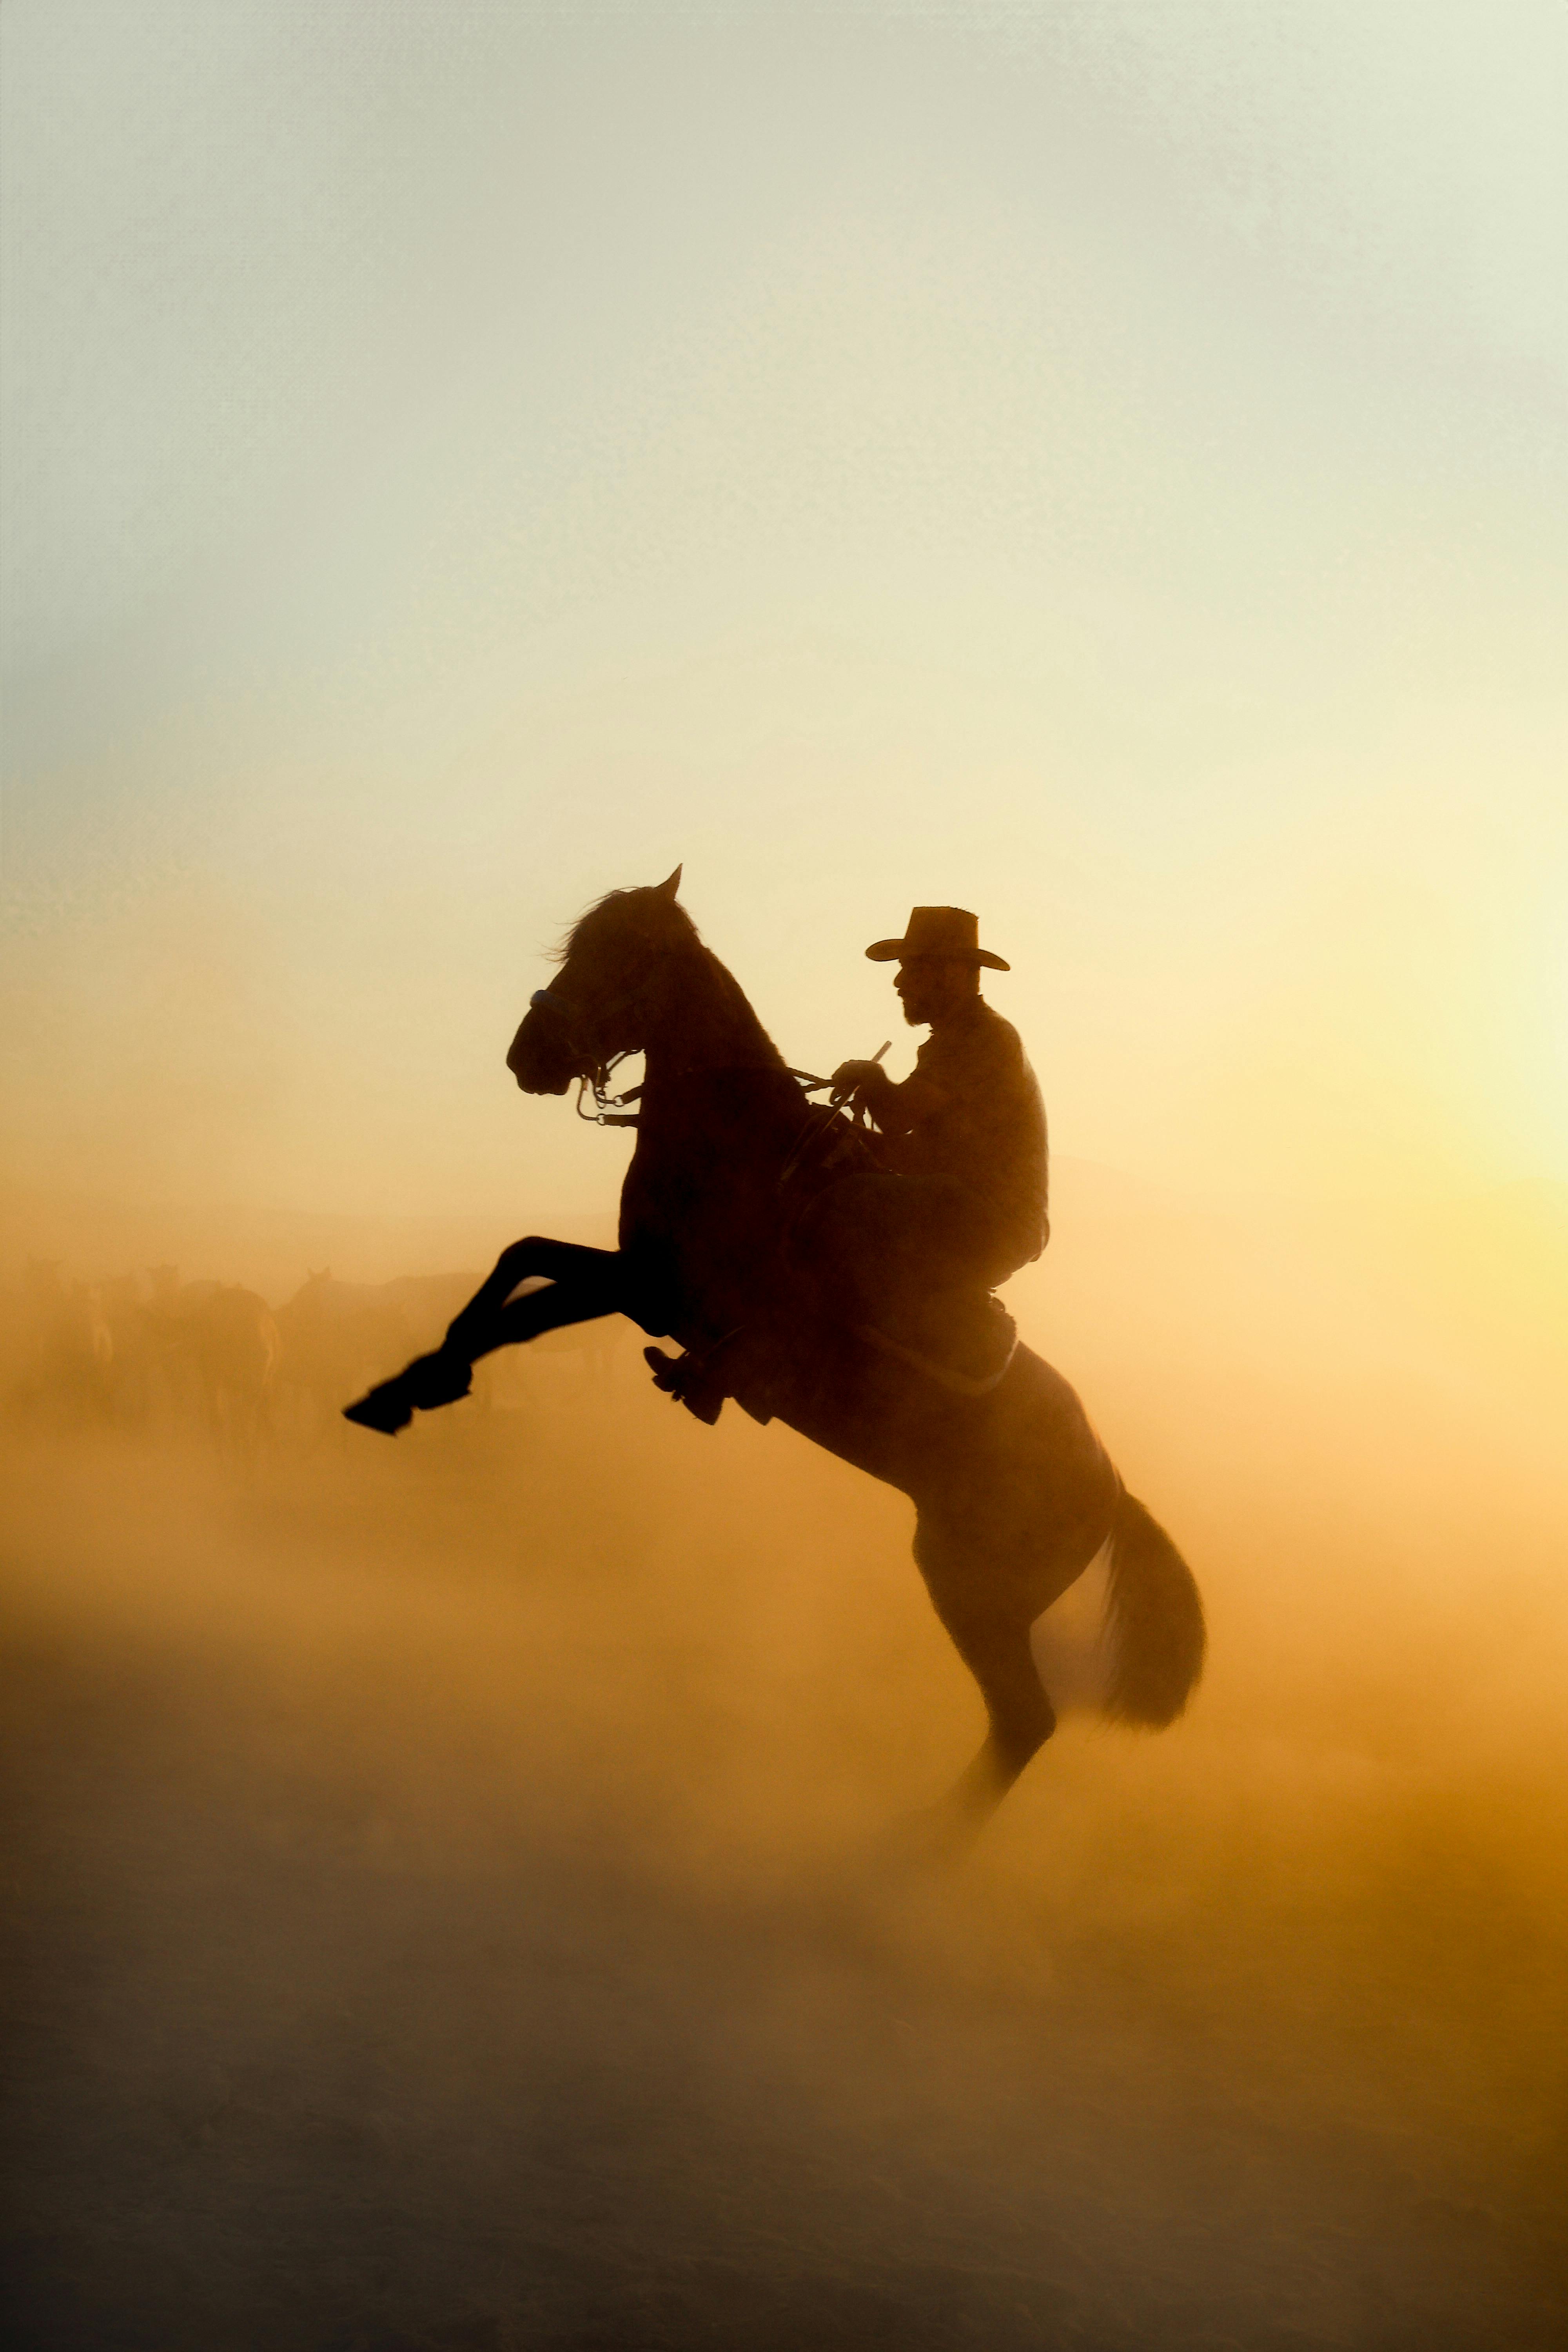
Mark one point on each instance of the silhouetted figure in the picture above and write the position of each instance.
(61, 1350)
(220, 1348)
(956, 1200)
(1015, 1495)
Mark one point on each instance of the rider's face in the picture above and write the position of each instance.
(931, 986)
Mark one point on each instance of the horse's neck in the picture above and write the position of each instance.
(719, 1114)
(704, 1023)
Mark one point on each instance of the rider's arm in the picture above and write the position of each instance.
(895, 1107)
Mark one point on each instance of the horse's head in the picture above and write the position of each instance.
(604, 996)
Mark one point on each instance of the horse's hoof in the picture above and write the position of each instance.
(428, 1382)
(929, 1842)
(385, 1409)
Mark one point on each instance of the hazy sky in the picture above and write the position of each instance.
(1101, 464)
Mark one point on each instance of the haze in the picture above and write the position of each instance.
(1098, 464)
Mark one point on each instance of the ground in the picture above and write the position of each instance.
(452, 1907)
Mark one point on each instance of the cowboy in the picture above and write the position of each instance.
(959, 1200)
(907, 1251)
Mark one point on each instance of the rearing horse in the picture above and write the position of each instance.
(1014, 1494)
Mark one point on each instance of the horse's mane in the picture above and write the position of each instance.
(644, 916)
(639, 921)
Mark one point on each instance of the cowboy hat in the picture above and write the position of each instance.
(949, 931)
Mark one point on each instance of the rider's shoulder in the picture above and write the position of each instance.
(979, 1033)
(996, 1026)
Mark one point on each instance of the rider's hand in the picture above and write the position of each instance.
(850, 1076)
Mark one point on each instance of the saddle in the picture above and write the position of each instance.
(962, 1340)
(959, 1341)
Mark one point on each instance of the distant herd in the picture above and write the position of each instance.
(151, 1356)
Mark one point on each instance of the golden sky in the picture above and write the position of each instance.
(1099, 464)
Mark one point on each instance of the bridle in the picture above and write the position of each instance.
(592, 1076)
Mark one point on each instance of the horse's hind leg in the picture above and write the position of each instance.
(1021, 1718)
(996, 1649)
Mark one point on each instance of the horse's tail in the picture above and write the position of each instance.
(1127, 1638)
(1157, 1632)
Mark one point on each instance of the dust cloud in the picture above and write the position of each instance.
(454, 1901)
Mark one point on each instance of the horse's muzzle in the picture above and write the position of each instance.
(538, 1059)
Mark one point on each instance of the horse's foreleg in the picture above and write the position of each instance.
(591, 1271)
(580, 1284)
(550, 1308)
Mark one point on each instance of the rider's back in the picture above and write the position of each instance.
(985, 1130)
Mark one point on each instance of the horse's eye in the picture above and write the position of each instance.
(541, 996)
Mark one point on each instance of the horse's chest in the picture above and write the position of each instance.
(683, 1174)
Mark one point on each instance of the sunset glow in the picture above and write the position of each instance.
(1095, 463)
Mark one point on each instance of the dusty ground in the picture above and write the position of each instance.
(451, 1906)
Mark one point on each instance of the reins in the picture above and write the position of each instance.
(822, 1140)
(608, 1111)
(614, 1110)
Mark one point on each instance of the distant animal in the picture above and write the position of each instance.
(60, 1348)
(1015, 1496)
(220, 1348)
(237, 1347)
(136, 1385)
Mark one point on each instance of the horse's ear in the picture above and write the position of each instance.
(668, 890)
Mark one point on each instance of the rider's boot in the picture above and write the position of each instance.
(741, 1365)
(689, 1381)
(745, 1364)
